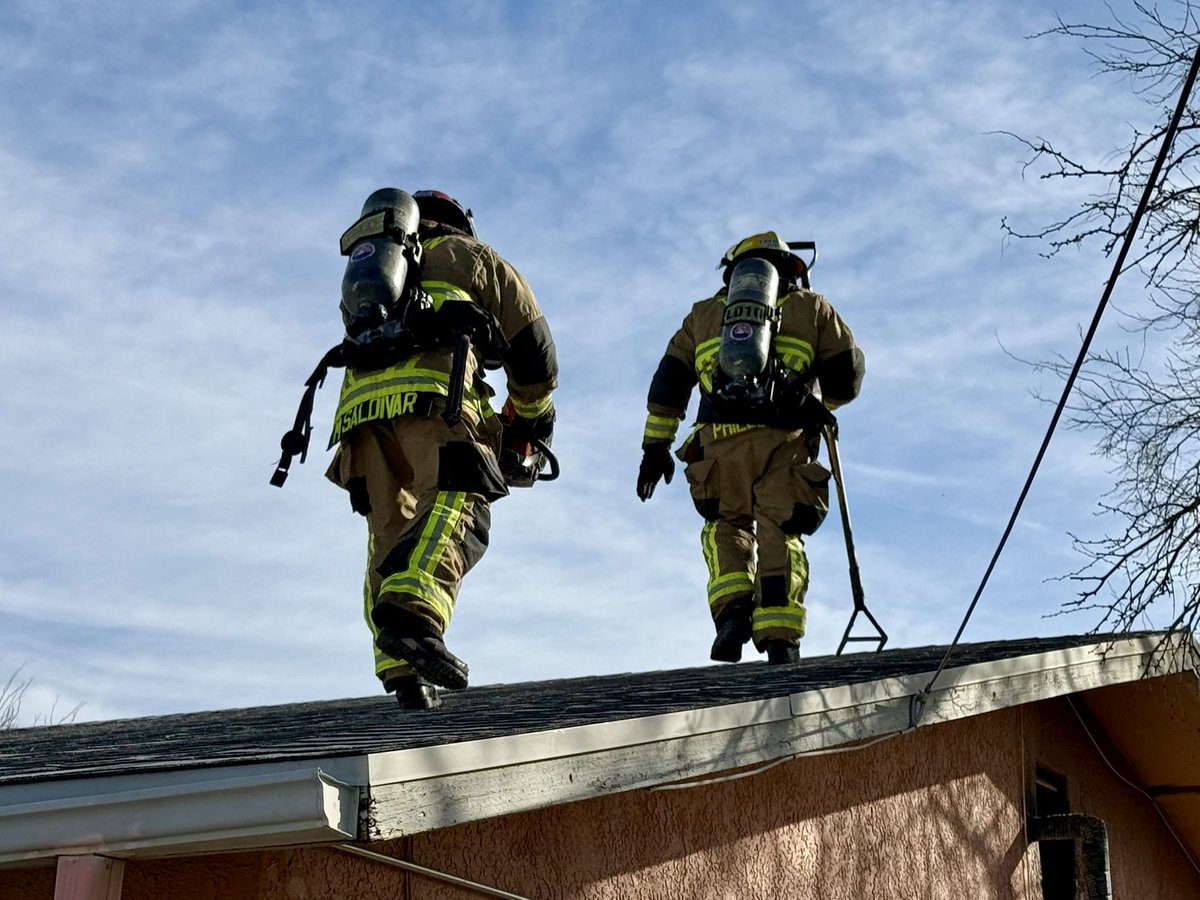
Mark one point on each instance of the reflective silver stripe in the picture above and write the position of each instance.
(788, 619)
(531, 410)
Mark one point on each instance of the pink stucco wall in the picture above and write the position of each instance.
(935, 814)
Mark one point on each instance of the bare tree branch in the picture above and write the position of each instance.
(1145, 413)
(12, 694)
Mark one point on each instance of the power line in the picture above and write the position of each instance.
(1118, 266)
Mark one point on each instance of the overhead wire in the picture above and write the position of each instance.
(1118, 267)
(918, 701)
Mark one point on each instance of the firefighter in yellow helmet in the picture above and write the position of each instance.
(425, 485)
(752, 458)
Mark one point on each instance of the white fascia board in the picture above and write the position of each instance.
(216, 810)
(435, 787)
(517, 749)
(985, 687)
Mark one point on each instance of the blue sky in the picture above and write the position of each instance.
(174, 179)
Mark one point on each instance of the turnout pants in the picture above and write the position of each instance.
(425, 489)
(760, 491)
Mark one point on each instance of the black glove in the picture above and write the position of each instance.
(657, 463)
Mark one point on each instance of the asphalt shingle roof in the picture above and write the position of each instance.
(374, 724)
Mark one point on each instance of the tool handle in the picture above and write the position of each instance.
(452, 414)
(835, 465)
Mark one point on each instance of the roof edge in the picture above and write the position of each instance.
(427, 788)
(385, 795)
(297, 807)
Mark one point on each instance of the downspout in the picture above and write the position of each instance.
(1092, 837)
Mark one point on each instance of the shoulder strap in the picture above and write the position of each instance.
(295, 442)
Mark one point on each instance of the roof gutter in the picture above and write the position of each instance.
(294, 807)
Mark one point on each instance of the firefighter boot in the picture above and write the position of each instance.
(413, 692)
(405, 636)
(781, 652)
(733, 630)
(774, 593)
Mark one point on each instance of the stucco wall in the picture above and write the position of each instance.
(918, 816)
(935, 814)
(1146, 860)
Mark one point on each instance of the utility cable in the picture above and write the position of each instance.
(772, 763)
(1118, 266)
(463, 883)
(1137, 787)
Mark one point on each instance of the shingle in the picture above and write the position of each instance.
(374, 725)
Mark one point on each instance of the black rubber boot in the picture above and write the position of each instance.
(413, 692)
(781, 652)
(733, 630)
(403, 635)
(427, 654)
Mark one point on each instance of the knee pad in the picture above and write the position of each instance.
(805, 519)
(463, 466)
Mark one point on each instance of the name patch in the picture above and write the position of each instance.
(406, 403)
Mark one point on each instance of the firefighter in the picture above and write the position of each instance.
(751, 461)
(423, 483)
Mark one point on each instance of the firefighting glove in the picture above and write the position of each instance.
(657, 463)
(520, 430)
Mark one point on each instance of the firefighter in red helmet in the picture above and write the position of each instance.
(424, 480)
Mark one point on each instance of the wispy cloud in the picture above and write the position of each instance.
(174, 180)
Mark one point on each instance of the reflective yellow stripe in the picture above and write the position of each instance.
(798, 566)
(441, 291)
(418, 579)
(533, 409)
(780, 621)
(721, 585)
(383, 662)
(795, 353)
(660, 428)
(393, 391)
(728, 586)
(706, 361)
(708, 546)
(384, 394)
(407, 376)
(418, 584)
(443, 517)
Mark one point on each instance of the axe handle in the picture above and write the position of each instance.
(835, 465)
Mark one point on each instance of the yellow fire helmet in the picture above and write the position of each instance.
(768, 244)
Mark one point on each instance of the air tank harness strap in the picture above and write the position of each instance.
(295, 442)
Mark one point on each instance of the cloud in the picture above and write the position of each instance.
(175, 180)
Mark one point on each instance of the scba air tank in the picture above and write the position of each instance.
(746, 327)
(382, 249)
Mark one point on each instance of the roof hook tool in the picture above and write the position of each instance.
(856, 588)
(806, 265)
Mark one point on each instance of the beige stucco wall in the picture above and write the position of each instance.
(934, 814)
